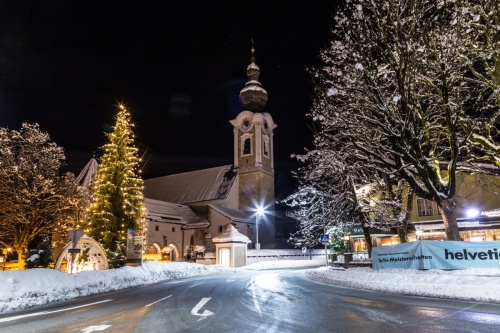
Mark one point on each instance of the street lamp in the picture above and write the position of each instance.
(259, 212)
(419, 234)
(472, 212)
(347, 239)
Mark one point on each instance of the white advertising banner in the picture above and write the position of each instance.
(135, 242)
(437, 255)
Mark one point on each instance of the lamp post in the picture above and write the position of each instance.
(260, 211)
(419, 234)
(347, 239)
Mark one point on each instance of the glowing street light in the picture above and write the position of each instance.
(472, 213)
(259, 212)
(419, 234)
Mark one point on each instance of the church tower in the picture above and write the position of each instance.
(254, 154)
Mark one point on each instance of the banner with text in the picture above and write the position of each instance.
(135, 240)
(437, 255)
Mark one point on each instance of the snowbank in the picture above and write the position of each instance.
(22, 289)
(480, 284)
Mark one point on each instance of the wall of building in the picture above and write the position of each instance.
(164, 233)
(256, 183)
(240, 256)
(473, 192)
(218, 223)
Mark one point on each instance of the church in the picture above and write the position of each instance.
(186, 211)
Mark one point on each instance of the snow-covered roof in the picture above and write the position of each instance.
(88, 173)
(161, 211)
(253, 65)
(233, 214)
(190, 187)
(253, 85)
(231, 235)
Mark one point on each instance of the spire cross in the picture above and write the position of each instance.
(253, 50)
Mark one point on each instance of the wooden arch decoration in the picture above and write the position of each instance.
(90, 258)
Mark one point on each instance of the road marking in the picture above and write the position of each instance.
(198, 306)
(231, 280)
(2, 320)
(254, 295)
(194, 285)
(161, 299)
(95, 328)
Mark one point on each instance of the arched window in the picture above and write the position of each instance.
(247, 146)
(265, 143)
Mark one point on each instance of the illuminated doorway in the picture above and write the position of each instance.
(225, 257)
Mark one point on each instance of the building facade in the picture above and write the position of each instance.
(477, 201)
(477, 209)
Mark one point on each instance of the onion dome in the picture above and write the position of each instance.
(253, 96)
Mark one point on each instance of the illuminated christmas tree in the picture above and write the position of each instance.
(117, 191)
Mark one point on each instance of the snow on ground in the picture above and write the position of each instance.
(284, 264)
(23, 289)
(471, 284)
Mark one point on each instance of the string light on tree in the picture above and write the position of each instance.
(118, 189)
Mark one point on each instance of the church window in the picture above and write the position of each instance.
(265, 143)
(246, 144)
(173, 229)
(157, 228)
(247, 147)
(220, 229)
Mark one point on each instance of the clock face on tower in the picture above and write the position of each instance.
(245, 125)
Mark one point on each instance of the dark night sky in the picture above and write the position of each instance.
(178, 66)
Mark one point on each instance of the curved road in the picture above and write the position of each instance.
(265, 301)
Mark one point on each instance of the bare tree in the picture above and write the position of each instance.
(394, 96)
(478, 22)
(35, 198)
(327, 197)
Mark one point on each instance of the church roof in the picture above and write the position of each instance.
(88, 173)
(233, 214)
(190, 187)
(160, 211)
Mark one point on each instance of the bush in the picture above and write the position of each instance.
(41, 256)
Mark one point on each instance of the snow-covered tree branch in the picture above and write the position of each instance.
(397, 96)
(35, 198)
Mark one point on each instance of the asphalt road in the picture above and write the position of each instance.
(265, 301)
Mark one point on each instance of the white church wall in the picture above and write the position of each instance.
(232, 200)
(217, 223)
(163, 234)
